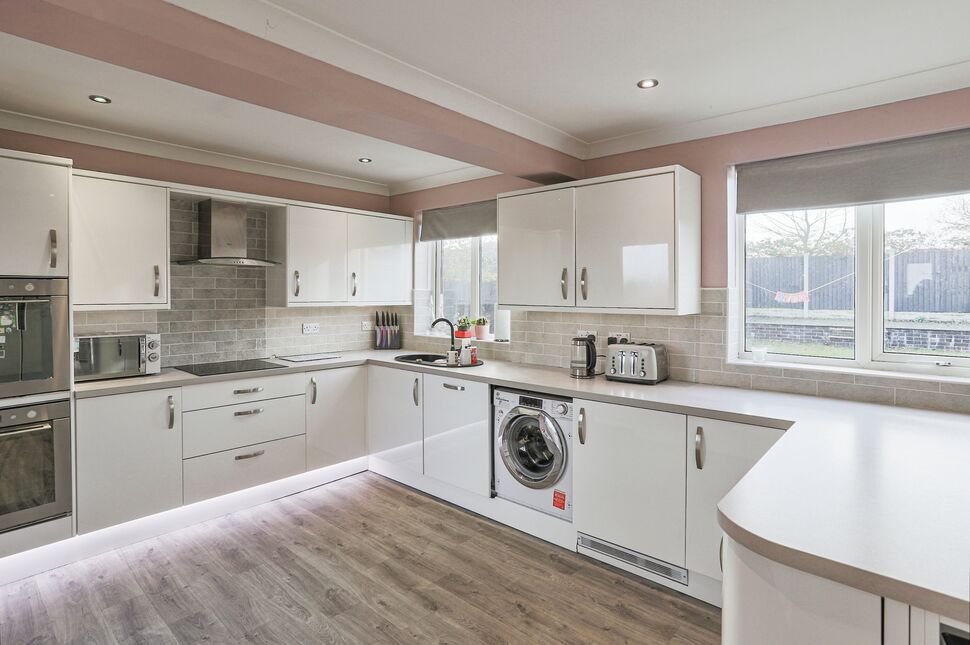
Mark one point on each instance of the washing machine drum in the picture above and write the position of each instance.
(533, 447)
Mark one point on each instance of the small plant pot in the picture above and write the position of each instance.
(463, 333)
(481, 332)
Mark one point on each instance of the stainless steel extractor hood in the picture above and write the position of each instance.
(222, 236)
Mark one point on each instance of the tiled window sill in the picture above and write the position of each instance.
(448, 336)
(960, 376)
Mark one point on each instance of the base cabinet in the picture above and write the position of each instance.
(336, 406)
(718, 455)
(129, 457)
(628, 478)
(394, 418)
(456, 432)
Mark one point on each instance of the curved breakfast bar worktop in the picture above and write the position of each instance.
(871, 496)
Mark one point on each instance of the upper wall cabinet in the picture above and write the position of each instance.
(335, 257)
(35, 211)
(120, 243)
(623, 243)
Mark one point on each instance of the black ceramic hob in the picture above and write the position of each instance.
(228, 367)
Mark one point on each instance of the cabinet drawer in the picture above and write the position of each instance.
(232, 470)
(233, 426)
(211, 395)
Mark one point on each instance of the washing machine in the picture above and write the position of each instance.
(531, 461)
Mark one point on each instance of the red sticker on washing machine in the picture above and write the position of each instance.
(559, 499)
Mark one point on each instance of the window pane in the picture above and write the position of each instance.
(455, 278)
(926, 280)
(800, 282)
(488, 277)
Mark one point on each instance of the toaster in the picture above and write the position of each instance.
(636, 362)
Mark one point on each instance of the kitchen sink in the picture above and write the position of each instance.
(438, 360)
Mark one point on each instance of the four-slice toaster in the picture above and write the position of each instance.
(636, 362)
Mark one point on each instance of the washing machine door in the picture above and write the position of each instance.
(533, 447)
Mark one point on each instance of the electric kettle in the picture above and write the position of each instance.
(582, 362)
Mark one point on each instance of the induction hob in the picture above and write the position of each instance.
(228, 367)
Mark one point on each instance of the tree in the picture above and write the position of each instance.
(956, 222)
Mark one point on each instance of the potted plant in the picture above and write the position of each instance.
(463, 327)
(481, 328)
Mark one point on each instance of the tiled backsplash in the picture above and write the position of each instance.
(219, 313)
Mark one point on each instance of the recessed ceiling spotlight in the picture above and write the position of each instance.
(97, 98)
(365, 160)
(647, 83)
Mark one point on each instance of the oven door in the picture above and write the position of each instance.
(35, 464)
(35, 352)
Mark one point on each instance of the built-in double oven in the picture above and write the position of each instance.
(35, 430)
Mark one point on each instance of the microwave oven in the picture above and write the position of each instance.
(116, 355)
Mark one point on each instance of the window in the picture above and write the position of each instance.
(466, 277)
(882, 286)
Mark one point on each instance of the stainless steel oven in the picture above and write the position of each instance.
(116, 356)
(35, 463)
(35, 353)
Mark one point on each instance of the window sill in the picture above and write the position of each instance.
(447, 336)
(960, 375)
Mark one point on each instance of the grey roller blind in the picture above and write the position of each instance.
(453, 222)
(925, 166)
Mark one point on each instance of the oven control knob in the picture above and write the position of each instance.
(561, 408)
(152, 357)
(153, 344)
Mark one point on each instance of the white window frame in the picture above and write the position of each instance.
(476, 279)
(869, 319)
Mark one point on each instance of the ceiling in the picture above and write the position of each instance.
(573, 64)
(54, 84)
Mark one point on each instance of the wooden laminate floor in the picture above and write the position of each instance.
(361, 560)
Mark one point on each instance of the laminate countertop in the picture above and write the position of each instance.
(871, 496)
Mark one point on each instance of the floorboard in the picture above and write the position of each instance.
(360, 560)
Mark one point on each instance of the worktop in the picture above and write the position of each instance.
(871, 496)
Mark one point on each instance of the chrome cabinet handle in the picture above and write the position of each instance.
(699, 449)
(353, 282)
(250, 455)
(584, 287)
(414, 393)
(158, 280)
(720, 554)
(28, 430)
(582, 426)
(248, 390)
(171, 412)
(313, 394)
(53, 239)
(562, 283)
(296, 289)
(457, 388)
(246, 413)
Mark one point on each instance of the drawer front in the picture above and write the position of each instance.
(234, 426)
(212, 395)
(232, 470)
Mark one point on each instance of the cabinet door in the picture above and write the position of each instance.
(379, 260)
(335, 416)
(625, 243)
(129, 457)
(456, 433)
(316, 255)
(394, 420)
(34, 211)
(536, 251)
(120, 243)
(628, 478)
(719, 453)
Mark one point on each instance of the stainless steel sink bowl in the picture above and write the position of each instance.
(438, 360)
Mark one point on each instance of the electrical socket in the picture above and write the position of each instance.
(311, 328)
(586, 332)
(620, 335)
(367, 325)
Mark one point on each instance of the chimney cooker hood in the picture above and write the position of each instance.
(222, 236)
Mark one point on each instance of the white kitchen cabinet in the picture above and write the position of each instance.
(311, 246)
(35, 214)
(536, 249)
(336, 406)
(719, 453)
(120, 244)
(628, 478)
(234, 426)
(614, 244)
(379, 259)
(626, 243)
(129, 457)
(394, 418)
(456, 432)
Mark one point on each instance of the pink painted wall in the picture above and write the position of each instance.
(101, 159)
